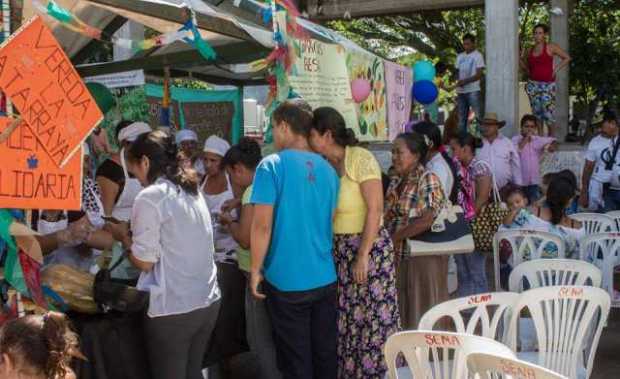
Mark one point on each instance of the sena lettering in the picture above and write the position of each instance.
(439, 340)
(479, 299)
(516, 371)
(570, 292)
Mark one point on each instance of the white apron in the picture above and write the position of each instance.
(225, 245)
(122, 212)
(122, 208)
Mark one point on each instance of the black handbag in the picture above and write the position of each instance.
(116, 294)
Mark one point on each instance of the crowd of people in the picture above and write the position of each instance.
(302, 256)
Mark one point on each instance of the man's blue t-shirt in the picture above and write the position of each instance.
(303, 189)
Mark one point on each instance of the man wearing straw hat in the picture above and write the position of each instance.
(499, 152)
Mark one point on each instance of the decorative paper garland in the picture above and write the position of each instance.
(187, 33)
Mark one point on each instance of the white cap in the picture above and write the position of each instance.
(185, 135)
(131, 132)
(216, 145)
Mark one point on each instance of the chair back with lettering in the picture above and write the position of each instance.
(436, 355)
(526, 244)
(595, 222)
(491, 366)
(485, 315)
(615, 215)
(553, 272)
(603, 251)
(568, 321)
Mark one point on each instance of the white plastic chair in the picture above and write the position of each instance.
(436, 355)
(568, 322)
(603, 250)
(615, 215)
(521, 241)
(487, 314)
(491, 366)
(553, 272)
(594, 222)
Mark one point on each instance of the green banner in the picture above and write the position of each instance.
(204, 111)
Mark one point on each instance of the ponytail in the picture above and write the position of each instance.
(559, 194)
(162, 152)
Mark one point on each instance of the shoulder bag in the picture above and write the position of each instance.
(116, 294)
(487, 222)
(449, 234)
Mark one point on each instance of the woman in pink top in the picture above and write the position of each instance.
(538, 63)
(531, 148)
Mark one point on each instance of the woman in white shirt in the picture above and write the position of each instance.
(172, 244)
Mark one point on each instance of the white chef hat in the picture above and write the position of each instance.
(216, 145)
(131, 132)
(185, 135)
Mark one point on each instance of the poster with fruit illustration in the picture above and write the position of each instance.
(367, 77)
(320, 77)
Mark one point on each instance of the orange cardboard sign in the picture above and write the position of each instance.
(43, 85)
(29, 179)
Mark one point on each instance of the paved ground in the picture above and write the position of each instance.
(606, 365)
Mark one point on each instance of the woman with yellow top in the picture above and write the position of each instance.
(363, 251)
(240, 162)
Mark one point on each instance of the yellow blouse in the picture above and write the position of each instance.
(359, 166)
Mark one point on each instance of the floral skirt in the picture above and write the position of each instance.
(367, 313)
(542, 100)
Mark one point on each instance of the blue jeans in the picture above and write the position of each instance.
(612, 200)
(464, 102)
(472, 275)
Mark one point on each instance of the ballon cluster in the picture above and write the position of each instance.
(424, 89)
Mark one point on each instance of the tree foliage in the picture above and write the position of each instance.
(436, 35)
(433, 34)
(595, 49)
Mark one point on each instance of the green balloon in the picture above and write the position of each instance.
(103, 97)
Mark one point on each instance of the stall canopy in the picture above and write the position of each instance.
(236, 41)
(237, 33)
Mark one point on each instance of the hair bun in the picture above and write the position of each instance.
(350, 138)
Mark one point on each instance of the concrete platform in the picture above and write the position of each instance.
(606, 365)
(607, 362)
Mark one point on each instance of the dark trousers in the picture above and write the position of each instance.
(176, 344)
(229, 336)
(305, 331)
(612, 200)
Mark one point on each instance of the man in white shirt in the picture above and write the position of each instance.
(599, 153)
(469, 64)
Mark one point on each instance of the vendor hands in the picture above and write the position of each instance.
(255, 280)
(230, 205)
(120, 231)
(225, 219)
(76, 233)
(360, 268)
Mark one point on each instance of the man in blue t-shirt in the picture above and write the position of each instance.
(294, 195)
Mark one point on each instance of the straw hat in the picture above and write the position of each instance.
(491, 118)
